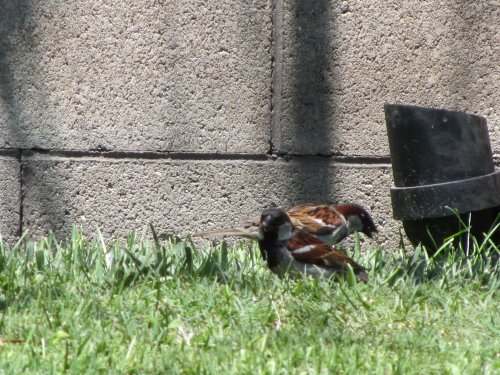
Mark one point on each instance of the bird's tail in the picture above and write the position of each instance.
(247, 232)
(362, 276)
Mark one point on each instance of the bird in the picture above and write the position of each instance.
(327, 222)
(286, 248)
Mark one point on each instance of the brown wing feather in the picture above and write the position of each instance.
(328, 214)
(319, 219)
(306, 222)
(302, 239)
(321, 254)
(300, 207)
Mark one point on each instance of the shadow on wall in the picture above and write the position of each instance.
(16, 40)
(13, 16)
(310, 125)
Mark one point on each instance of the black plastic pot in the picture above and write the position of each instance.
(441, 159)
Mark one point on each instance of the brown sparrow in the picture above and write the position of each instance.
(286, 247)
(329, 223)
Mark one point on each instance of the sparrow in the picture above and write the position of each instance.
(286, 247)
(329, 223)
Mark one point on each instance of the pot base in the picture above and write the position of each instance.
(442, 228)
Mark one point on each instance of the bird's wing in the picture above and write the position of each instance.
(316, 219)
(308, 249)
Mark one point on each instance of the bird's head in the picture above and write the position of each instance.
(358, 218)
(275, 225)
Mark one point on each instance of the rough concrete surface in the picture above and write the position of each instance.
(10, 194)
(167, 87)
(135, 75)
(188, 196)
(342, 60)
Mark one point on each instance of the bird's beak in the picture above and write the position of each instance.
(264, 222)
(260, 234)
(369, 232)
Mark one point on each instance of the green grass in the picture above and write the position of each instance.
(165, 306)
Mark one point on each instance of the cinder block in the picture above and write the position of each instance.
(342, 60)
(135, 75)
(10, 194)
(188, 196)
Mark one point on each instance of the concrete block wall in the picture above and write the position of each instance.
(193, 114)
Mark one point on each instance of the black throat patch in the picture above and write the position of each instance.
(270, 251)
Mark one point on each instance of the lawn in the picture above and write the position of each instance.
(165, 306)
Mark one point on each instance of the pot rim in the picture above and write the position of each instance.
(435, 200)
